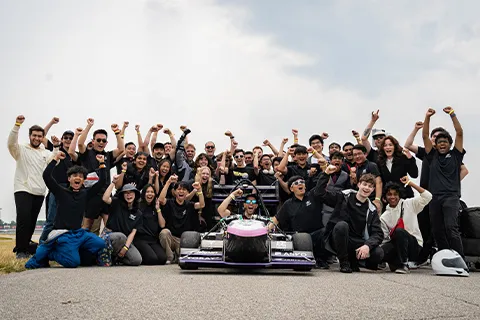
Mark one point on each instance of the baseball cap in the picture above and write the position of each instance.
(378, 132)
(68, 133)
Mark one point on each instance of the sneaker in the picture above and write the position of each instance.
(345, 267)
(23, 255)
(402, 270)
(355, 268)
(320, 264)
(168, 262)
(382, 266)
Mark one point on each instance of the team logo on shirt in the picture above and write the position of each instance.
(448, 156)
(184, 213)
(308, 203)
(132, 217)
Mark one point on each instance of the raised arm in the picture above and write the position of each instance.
(47, 128)
(426, 131)
(368, 130)
(223, 208)
(102, 175)
(201, 199)
(172, 141)
(12, 143)
(73, 145)
(255, 163)
(409, 142)
(120, 142)
(282, 167)
(148, 138)
(420, 201)
(107, 194)
(458, 128)
(326, 196)
(50, 181)
(163, 195)
(281, 151)
(124, 127)
(141, 146)
(121, 176)
(270, 145)
(82, 147)
(161, 219)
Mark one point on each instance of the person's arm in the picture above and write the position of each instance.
(295, 136)
(201, 199)
(320, 158)
(282, 167)
(256, 170)
(356, 135)
(50, 181)
(282, 147)
(186, 140)
(172, 141)
(147, 145)
(141, 146)
(163, 195)
(47, 128)
(12, 143)
(124, 127)
(119, 157)
(463, 172)
(457, 126)
(378, 194)
(385, 228)
(418, 202)
(161, 219)
(106, 195)
(426, 131)
(82, 147)
(120, 143)
(411, 164)
(368, 130)
(270, 145)
(223, 207)
(326, 196)
(121, 176)
(409, 142)
(73, 145)
(127, 244)
(102, 175)
(282, 183)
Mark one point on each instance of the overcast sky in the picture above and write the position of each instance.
(258, 68)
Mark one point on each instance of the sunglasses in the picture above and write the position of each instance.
(378, 137)
(251, 201)
(67, 138)
(298, 182)
(101, 140)
(210, 147)
(239, 156)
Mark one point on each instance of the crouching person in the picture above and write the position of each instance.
(402, 237)
(353, 232)
(67, 242)
(124, 219)
(178, 215)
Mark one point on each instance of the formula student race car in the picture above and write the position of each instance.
(246, 243)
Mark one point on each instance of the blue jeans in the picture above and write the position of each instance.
(52, 212)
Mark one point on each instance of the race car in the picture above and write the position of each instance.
(246, 243)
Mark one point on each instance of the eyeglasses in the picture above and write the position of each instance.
(298, 182)
(251, 201)
(379, 137)
(239, 156)
(101, 140)
(67, 138)
(210, 147)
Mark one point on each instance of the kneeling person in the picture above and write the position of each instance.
(68, 240)
(353, 232)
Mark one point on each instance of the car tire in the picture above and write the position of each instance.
(185, 267)
(302, 242)
(190, 240)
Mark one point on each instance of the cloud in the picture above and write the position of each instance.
(256, 68)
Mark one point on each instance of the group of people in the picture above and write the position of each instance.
(355, 200)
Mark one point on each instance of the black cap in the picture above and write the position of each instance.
(68, 133)
(158, 145)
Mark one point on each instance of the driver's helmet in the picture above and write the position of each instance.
(449, 263)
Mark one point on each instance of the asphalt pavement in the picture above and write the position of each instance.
(166, 292)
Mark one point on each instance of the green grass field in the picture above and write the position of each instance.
(8, 262)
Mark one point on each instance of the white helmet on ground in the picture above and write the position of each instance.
(449, 263)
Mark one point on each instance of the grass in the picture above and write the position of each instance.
(8, 261)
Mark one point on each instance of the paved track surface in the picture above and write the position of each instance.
(169, 293)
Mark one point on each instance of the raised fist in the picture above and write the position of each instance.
(430, 112)
(167, 131)
(419, 125)
(196, 186)
(100, 158)
(355, 134)
(324, 135)
(266, 142)
(60, 156)
(295, 132)
(20, 119)
(125, 124)
(154, 128)
(159, 126)
(90, 121)
(404, 180)
(114, 127)
(183, 127)
(285, 140)
(151, 173)
(78, 131)
(137, 127)
(55, 120)
(330, 169)
(278, 175)
(115, 178)
(237, 193)
(312, 172)
(228, 133)
(173, 178)
(291, 151)
(55, 140)
(310, 150)
(447, 110)
(407, 153)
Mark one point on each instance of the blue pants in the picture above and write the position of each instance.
(65, 249)
(51, 213)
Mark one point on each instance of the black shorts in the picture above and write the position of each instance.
(96, 207)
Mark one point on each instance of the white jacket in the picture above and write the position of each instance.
(31, 162)
(411, 207)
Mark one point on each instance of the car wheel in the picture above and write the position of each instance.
(302, 242)
(303, 268)
(190, 240)
(185, 267)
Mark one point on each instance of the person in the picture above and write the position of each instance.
(87, 158)
(316, 142)
(137, 172)
(184, 157)
(147, 238)
(123, 220)
(67, 241)
(377, 136)
(179, 215)
(444, 182)
(240, 170)
(354, 231)
(303, 213)
(394, 162)
(60, 175)
(207, 213)
(333, 147)
(250, 205)
(349, 162)
(210, 152)
(29, 187)
(402, 243)
(160, 150)
(126, 157)
(263, 169)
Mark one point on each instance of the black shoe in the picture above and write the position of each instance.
(345, 267)
(355, 268)
(382, 266)
(322, 265)
(23, 255)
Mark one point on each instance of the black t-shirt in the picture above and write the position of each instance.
(140, 178)
(152, 162)
(149, 228)
(60, 172)
(445, 171)
(367, 167)
(425, 173)
(265, 179)
(357, 216)
(88, 160)
(236, 174)
(180, 218)
(373, 155)
(121, 219)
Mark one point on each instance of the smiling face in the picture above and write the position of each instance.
(76, 181)
(317, 145)
(301, 158)
(333, 148)
(250, 206)
(168, 148)
(210, 149)
(99, 142)
(266, 163)
(129, 196)
(392, 197)
(358, 156)
(158, 153)
(202, 161)
(190, 151)
(348, 151)
(239, 158)
(205, 174)
(443, 145)
(365, 189)
(337, 162)
(149, 195)
(66, 141)
(298, 188)
(130, 151)
(36, 138)
(165, 169)
(140, 161)
(180, 194)
(248, 158)
(388, 148)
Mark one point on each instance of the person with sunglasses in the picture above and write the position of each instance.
(210, 151)
(250, 205)
(377, 136)
(87, 158)
(303, 213)
(241, 170)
